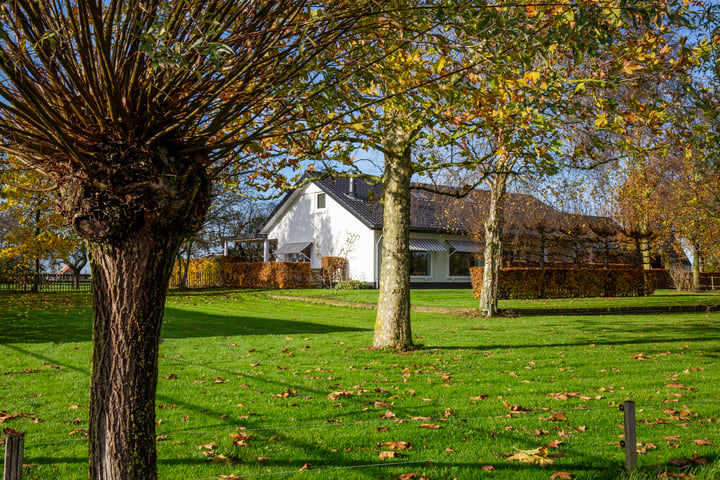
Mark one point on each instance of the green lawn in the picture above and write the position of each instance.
(302, 382)
(461, 298)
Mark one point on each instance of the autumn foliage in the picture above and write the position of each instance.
(227, 272)
(522, 283)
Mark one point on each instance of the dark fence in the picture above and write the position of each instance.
(45, 282)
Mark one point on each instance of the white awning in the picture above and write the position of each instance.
(465, 246)
(289, 248)
(426, 245)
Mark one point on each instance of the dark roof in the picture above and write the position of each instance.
(436, 213)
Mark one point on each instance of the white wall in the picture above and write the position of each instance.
(334, 232)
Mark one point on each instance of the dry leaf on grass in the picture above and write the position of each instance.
(539, 456)
(395, 445)
(385, 455)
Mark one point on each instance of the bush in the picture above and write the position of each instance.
(526, 283)
(333, 270)
(352, 285)
(230, 272)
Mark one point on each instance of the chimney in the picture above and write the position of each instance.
(351, 192)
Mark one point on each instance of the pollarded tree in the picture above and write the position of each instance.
(132, 108)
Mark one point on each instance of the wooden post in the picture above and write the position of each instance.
(628, 407)
(14, 444)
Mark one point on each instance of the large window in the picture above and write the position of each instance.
(460, 263)
(420, 263)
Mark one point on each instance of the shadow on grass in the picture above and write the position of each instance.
(177, 323)
(613, 334)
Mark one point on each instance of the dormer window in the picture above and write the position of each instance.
(320, 201)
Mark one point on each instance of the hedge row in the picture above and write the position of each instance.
(523, 283)
(227, 272)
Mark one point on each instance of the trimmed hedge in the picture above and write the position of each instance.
(228, 272)
(525, 283)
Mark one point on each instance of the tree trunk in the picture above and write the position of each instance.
(129, 287)
(645, 251)
(696, 266)
(134, 220)
(493, 245)
(392, 324)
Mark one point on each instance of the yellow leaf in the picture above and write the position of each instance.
(601, 120)
(531, 77)
(539, 456)
(630, 67)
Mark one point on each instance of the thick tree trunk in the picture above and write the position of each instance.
(493, 245)
(129, 287)
(392, 324)
(134, 218)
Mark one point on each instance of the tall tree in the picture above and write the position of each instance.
(36, 236)
(132, 108)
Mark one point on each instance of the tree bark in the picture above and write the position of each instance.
(134, 221)
(696, 266)
(493, 245)
(129, 287)
(392, 323)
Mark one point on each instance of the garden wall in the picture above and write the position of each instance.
(228, 272)
(522, 283)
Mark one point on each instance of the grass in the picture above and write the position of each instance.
(461, 298)
(302, 381)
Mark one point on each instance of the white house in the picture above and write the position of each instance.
(343, 217)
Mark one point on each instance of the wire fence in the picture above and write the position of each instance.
(647, 438)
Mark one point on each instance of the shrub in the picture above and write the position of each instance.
(230, 272)
(352, 285)
(526, 283)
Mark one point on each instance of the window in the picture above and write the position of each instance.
(460, 263)
(320, 201)
(420, 263)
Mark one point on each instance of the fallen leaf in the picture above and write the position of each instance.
(385, 455)
(488, 468)
(702, 442)
(561, 475)
(539, 456)
(430, 426)
(241, 439)
(395, 445)
(388, 414)
(207, 446)
(305, 467)
(263, 459)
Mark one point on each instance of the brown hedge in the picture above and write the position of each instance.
(228, 272)
(525, 283)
